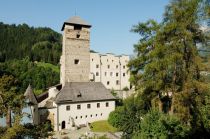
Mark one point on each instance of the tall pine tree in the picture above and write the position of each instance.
(167, 68)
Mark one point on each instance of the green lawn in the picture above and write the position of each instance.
(48, 65)
(102, 126)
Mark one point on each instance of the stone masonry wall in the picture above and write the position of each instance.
(76, 47)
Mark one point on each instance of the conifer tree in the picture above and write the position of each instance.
(167, 66)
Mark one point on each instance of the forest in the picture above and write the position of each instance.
(22, 41)
(23, 49)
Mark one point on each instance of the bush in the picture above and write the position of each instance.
(115, 117)
(159, 125)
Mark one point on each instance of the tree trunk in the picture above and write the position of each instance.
(8, 117)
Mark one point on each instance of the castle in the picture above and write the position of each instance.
(86, 79)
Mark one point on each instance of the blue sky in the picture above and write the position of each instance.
(111, 20)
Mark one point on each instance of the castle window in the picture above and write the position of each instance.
(91, 115)
(101, 114)
(111, 73)
(96, 115)
(76, 117)
(88, 106)
(98, 105)
(92, 59)
(105, 73)
(107, 82)
(77, 27)
(116, 74)
(123, 67)
(108, 66)
(76, 61)
(81, 117)
(78, 107)
(97, 66)
(116, 66)
(123, 74)
(97, 74)
(107, 104)
(117, 82)
(68, 108)
(78, 35)
(85, 116)
(112, 60)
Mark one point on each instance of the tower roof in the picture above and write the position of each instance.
(76, 20)
(30, 95)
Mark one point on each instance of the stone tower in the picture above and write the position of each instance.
(75, 59)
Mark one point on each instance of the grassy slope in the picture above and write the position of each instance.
(102, 126)
(48, 65)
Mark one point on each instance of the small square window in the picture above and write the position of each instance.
(107, 104)
(97, 74)
(68, 108)
(91, 115)
(107, 82)
(111, 73)
(97, 66)
(88, 106)
(76, 117)
(96, 115)
(105, 73)
(116, 66)
(112, 60)
(76, 61)
(81, 117)
(117, 74)
(98, 105)
(78, 35)
(108, 66)
(101, 114)
(124, 74)
(92, 59)
(117, 82)
(77, 27)
(85, 116)
(123, 67)
(78, 107)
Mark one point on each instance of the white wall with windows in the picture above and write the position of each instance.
(111, 70)
(82, 113)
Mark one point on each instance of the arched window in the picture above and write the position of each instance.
(63, 125)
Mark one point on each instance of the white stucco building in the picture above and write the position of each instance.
(111, 70)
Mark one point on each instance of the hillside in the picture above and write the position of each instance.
(39, 75)
(22, 41)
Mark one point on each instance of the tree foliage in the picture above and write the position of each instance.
(10, 98)
(29, 73)
(169, 57)
(156, 124)
(21, 41)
